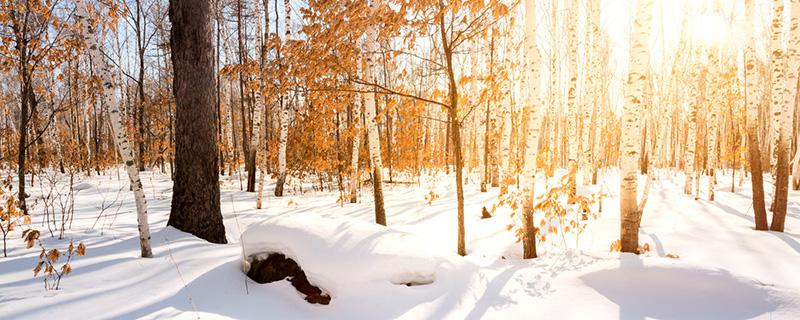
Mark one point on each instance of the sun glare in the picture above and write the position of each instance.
(708, 28)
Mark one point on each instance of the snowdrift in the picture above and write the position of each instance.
(338, 254)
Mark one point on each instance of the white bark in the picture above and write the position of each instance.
(778, 78)
(505, 141)
(354, 180)
(792, 81)
(594, 88)
(371, 117)
(533, 107)
(110, 100)
(284, 115)
(256, 145)
(630, 144)
(711, 125)
(572, 91)
(691, 141)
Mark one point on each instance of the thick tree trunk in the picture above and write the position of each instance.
(124, 146)
(638, 75)
(195, 199)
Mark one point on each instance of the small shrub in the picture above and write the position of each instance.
(10, 216)
(431, 196)
(48, 259)
(556, 212)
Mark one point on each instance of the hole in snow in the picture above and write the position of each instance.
(276, 267)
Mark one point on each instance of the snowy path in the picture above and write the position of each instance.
(725, 271)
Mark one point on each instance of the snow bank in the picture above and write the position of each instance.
(341, 253)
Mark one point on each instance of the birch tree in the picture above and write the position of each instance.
(630, 207)
(784, 90)
(533, 107)
(284, 115)
(109, 97)
(712, 126)
(572, 90)
(354, 174)
(372, 125)
(753, 92)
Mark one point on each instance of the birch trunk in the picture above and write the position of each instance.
(793, 79)
(777, 81)
(572, 91)
(753, 94)
(638, 75)
(109, 98)
(783, 101)
(535, 103)
(284, 117)
(691, 140)
(711, 127)
(258, 117)
(354, 180)
(370, 114)
(505, 143)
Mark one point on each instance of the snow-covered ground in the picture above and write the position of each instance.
(725, 270)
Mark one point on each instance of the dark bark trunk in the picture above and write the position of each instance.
(759, 208)
(195, 199)
(140, 43)
(779, 205)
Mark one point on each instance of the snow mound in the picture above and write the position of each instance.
(336, 253)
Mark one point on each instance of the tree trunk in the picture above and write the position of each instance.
(372, 127)
(572, 92)
(784, 105)
(487, 135)
(284, 119)
(124, 147)
(711, 125)
(638, 76)
(455, 126)
(195, 199)
(354, 174)
(534, 127)
(753, 94)
(793, 81)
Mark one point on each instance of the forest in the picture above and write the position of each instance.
(414, 159)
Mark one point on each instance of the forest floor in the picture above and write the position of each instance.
(724, 269)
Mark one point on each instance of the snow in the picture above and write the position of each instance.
(336, 253)
(725, 269)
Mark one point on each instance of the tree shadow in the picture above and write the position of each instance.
(788, 238)
(678, 292)
(547, 268)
